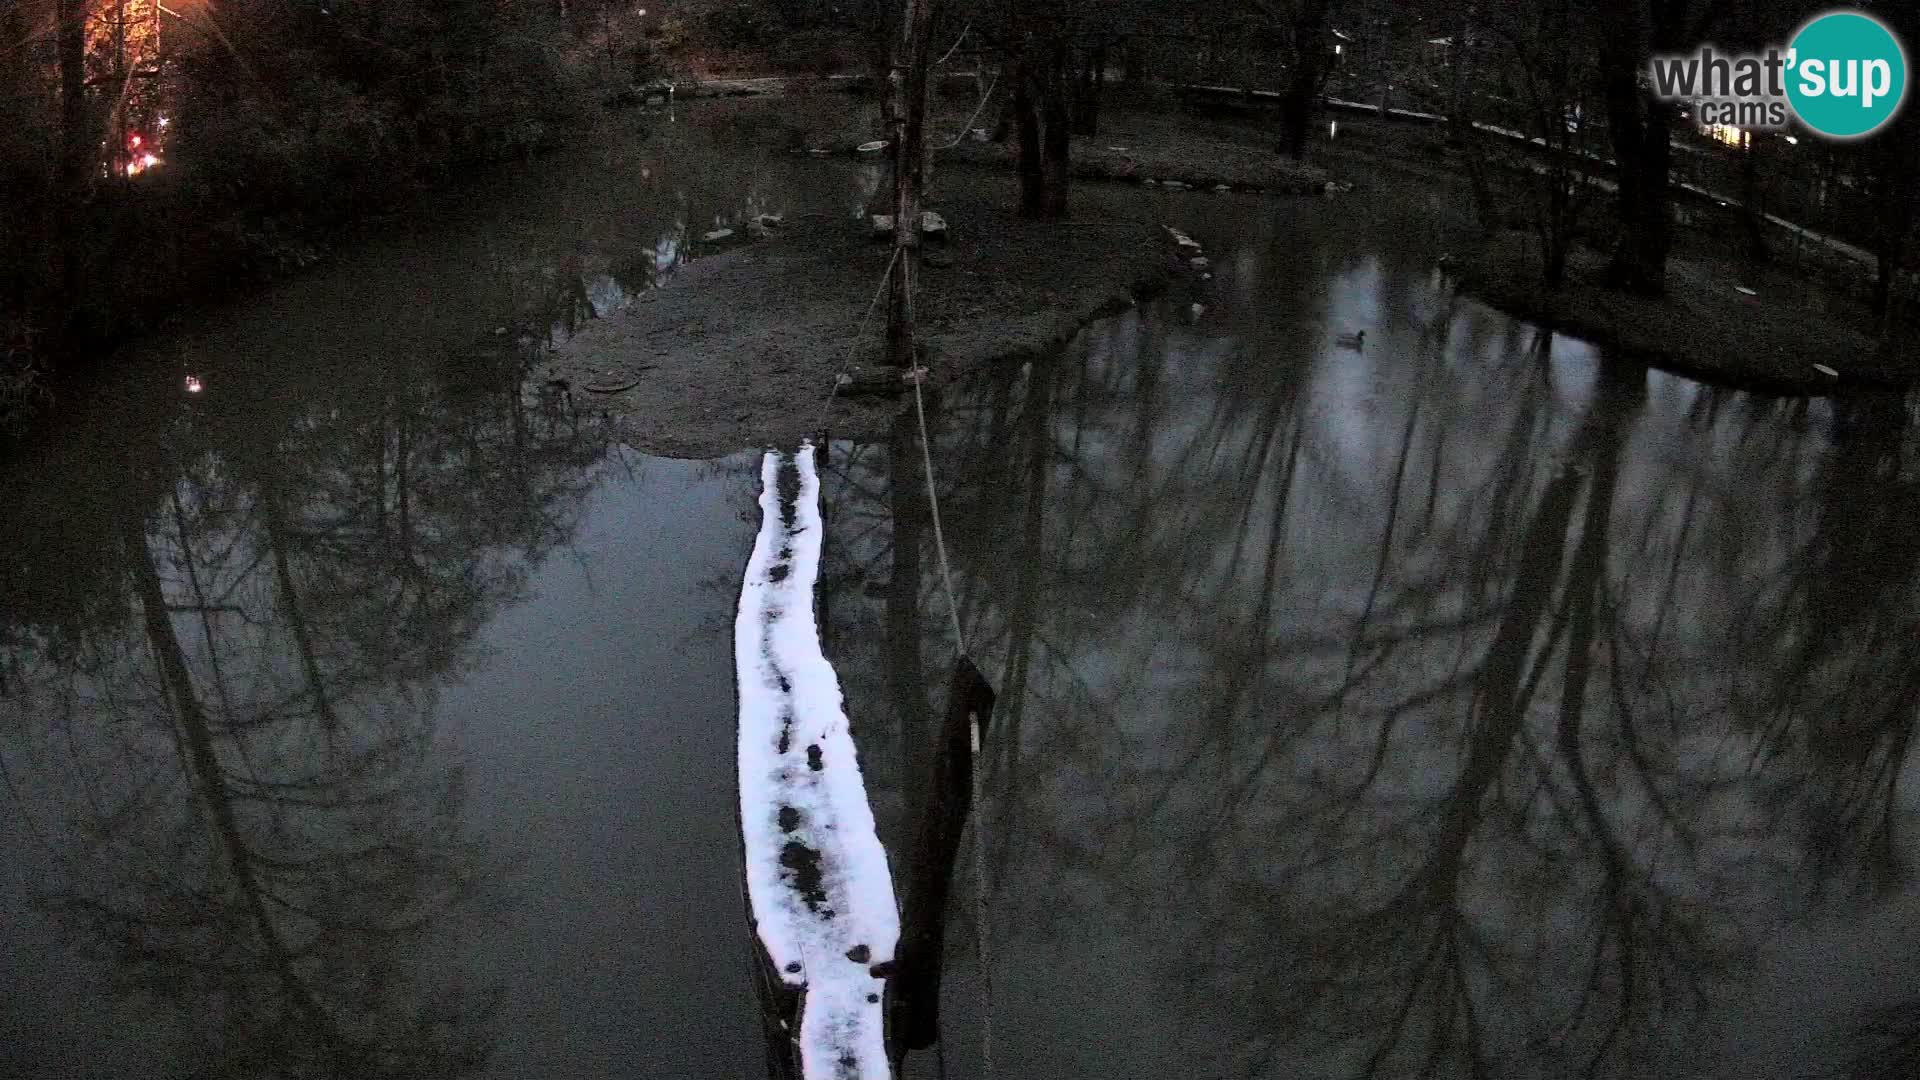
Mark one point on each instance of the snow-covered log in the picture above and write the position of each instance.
(819, 888)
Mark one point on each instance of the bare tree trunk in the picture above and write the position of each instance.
(1460, 92)
(907, 87)
(1897, 149)
(117, 118)
(1889, 262)
(925, 107)
(1753, 211)
(606, 28)
(1003, 125)
(1003, 117)
(12, 29)
(1296, 107)
(25, 209)
(1484, 208)
(1563, 169)
(1086, 105)
(1642, 146)
(1056, 153)
(1641, 129)
(72, 46)
(1894, 175)
(1554, 261)
(1460, 118)
(76, 155)
(1026, 116)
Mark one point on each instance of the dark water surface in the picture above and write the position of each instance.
(1464, 706)
(366, 711)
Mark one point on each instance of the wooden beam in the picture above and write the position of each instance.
(915, 1024)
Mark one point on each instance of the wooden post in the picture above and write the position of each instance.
(915, 1024)
(907, 89)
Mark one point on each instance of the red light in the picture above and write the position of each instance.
(136, 140)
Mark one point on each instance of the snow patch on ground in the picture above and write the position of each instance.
(817, 875)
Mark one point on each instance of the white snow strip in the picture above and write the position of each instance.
(817, 876)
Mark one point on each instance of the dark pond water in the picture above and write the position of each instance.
(366, 712)
(1467, 706)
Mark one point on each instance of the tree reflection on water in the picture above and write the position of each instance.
(1493, 720)
(221, 720)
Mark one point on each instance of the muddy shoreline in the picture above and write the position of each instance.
(746, 348)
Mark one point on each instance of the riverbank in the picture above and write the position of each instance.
(1740, 327)
(746, 348)
(1143, 138)
(1166, 148)
(213, 184)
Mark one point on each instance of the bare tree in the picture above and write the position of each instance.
(1053, 55)
(1543, 44)
(1307, 23)
(1894, 164)
(1641, 127)
(907, 91)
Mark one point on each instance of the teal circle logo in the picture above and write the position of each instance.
(1847, 74)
